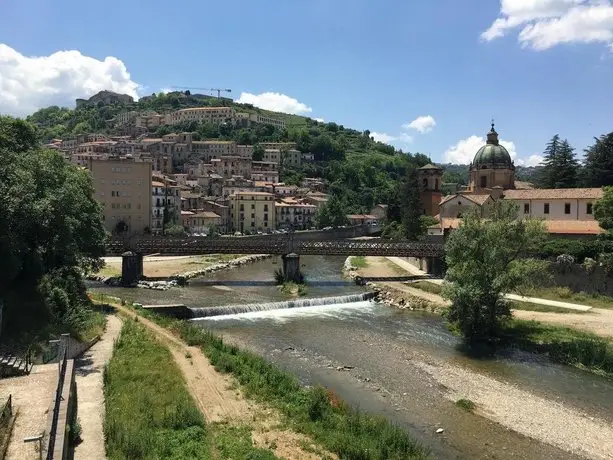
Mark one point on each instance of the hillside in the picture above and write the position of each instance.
(360, 171)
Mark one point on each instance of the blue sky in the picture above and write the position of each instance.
(378, 65)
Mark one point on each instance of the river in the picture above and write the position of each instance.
(398, 364)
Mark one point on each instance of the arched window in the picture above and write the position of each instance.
(435, 184)
(425, 182)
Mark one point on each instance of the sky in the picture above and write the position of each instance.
(424, 75)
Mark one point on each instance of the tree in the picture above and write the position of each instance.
(411, 205)
(51, 229)
(560, 165)
(332, 214)
(484, 260)
(258, 153)
(598, 168)
(603, 209)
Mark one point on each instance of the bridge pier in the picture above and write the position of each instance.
(433, 266)
(131, 268)
(291, 268)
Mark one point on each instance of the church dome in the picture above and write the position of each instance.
(492, 155)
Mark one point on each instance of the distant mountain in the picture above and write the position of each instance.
(458, 174)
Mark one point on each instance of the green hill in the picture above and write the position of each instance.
(360, 171)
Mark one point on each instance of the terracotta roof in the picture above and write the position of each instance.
(558, 227)
(521, 185)
(554, 194)
(431, 166)
(254, 193)
(157, 184)
(361, 216)
(573, 227)
(207, 214)
(478, 199)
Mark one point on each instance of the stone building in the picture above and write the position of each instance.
(491, 167)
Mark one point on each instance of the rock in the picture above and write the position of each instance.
(440, 430)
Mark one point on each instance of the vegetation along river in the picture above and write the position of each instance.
(407, 366)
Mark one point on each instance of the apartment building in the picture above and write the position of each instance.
(214, 149)
(245, 151)
(252, 211)
(149, 120)
(123, 186)
(165, 198)
(223, 211)
(272, 155)
(258, 166)
(271, 177)
(228, 167)
(291, 213)
(216, 115)
(292, 158)
(279, 145)
(124, 118)
(264, 120)
(201, 221)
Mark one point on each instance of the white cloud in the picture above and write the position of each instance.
(382, 137)
(423, 124)
(532, 160)
(29, 83)
(276, 102)
(464, 151)
(547, 23)
(321, 120)
(401, 139)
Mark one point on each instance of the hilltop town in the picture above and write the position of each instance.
(153, 185)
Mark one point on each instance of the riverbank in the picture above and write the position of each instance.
(567, 338)
(313, 412)
(200, 266)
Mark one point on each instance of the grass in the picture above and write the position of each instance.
(465, 404)
(234, 442)
(293, 289)
(319, 414)
(564, 345)
(427, 286)
(564, 294)
(149, 412)
(528, 306)
(359, 262)
(315, 412)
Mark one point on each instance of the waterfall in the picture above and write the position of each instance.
(246, 308)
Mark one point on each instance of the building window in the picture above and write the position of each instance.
(252, 206)
(253, 216)
(425, 182)
(546, 208)
(566, 208)
(483, 181)
(589, 208)
(526, 208)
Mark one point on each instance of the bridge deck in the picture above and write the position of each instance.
(281, 246)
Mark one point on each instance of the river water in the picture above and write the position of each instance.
(366, 352)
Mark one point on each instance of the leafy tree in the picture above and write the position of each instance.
(332, 214)
(258, 153)
(51, 230)
(603, 209)
(598, 168)
(174, 230)
(484, 260)
(560, 165)
(411, 205)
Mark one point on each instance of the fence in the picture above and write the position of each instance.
(62, 361)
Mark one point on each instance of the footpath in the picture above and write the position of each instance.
(552, 303)
(90, 392)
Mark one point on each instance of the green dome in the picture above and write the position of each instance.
(495, 155)
(492, 154)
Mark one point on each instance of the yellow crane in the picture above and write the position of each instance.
(219, 90)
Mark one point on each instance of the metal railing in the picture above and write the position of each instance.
(62, 360)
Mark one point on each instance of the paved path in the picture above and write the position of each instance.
(552, 303)
(32, 398)
(90, 392)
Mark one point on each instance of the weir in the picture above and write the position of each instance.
(298, 303)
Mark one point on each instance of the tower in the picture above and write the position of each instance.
(430, 179)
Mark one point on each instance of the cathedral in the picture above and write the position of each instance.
(491, 167)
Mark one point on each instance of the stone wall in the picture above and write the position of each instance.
(578, 279)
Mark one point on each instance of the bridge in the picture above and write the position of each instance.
(289, 247)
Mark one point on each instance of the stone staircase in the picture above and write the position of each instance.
(15, 363)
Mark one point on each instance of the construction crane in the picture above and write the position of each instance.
(219, 90)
